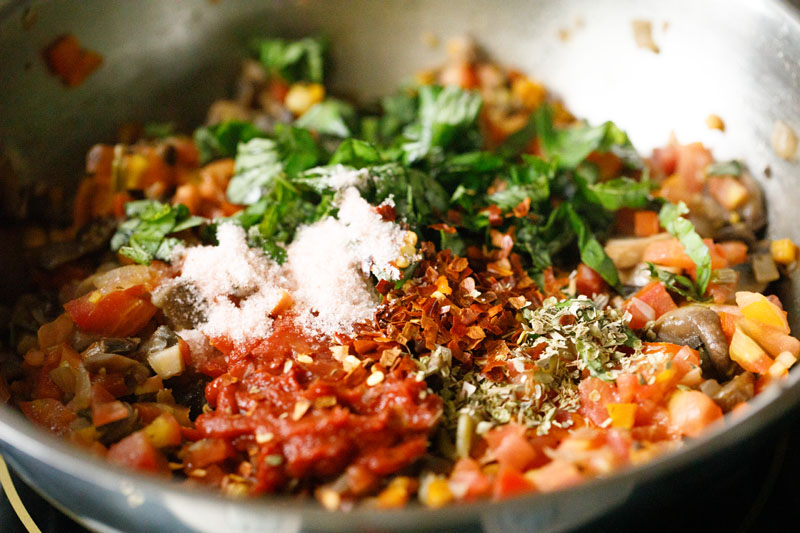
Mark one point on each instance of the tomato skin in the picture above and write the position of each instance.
(115, 314)
(467, 474)
(589, 282)
(207, 451)
(136, 451)
(49, 413)
(656, 296)
(556, 474)
(645, 223)
(508, 445)
(510, 482)
(691, 411)
(595, 394)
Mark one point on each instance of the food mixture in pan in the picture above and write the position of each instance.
(460, 292)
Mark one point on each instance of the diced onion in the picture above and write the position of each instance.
(123, 277)
(168, 362)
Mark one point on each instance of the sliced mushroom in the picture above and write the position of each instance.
(92, 238)
(740, 389)
(697, 326)
(181, 303)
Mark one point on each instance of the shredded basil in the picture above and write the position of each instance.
(671, 218)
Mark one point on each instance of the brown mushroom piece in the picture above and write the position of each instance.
(740, 389)
(697, 326)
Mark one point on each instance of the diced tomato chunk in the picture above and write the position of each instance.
(557, 474)
(136, 451)
(645, 223)
(589, 282)
(105, 413)
(49, 413)
(510, 482)
(207, 451)
(469, 479)
(655, 295)
(116, 314)
(735, 252)
(691, 411)
(509, 447)
(595, 394)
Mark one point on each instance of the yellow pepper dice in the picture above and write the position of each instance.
(623, 415)
(783, 251)
(302, 96)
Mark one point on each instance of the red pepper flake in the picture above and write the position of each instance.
(387, 212)
(72, 64)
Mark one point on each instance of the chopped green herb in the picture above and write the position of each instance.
(677, 284)
(671, 218)
(143, 236)
(329, 117)
(300, 60)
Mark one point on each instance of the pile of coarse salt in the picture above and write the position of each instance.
(326, 274)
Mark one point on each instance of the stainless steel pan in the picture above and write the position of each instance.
(739, 59)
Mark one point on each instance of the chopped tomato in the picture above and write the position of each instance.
(510, 482)
(49, 413)
(105, 413)
(207, 451)
(645, 223)
(116, 314)
(690, 412)
(654, 295)
(728, 322)
(589, 282)
(557, 474)
(136, 451)
(735, 252)
(595, 394)
(469, 479)
(508, 445)
(669, 253)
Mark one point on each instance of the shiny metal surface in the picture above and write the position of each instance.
(739, 59)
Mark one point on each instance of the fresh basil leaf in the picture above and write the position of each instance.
(329, 117)
(355, 153)
(529, 180)
(473, 162)
(725, 168)
(620, 192)
(520, 140)
(677, 284)
(221, 140)
(258, 164)
(445, 114)
(571, 145)
(417, 196)
(300, 60)
(297, 148)
(591, 251)
(143, 237)
(671, 218)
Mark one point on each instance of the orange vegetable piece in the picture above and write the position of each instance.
(645, 223)
(690, 412)
(622, 415)
(66, 59)
(757, 307)
(750, 356)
